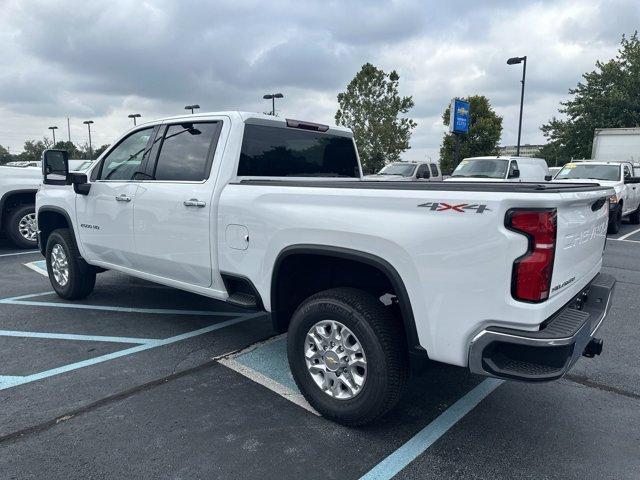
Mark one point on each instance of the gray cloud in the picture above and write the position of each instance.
(102, 60)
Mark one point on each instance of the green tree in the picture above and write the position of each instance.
(70, 147)
(5, 156)
(98, 151)
(371, 107)
(606, 98)
(485, 129)
(33, 149)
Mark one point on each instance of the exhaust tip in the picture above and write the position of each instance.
(593, 348)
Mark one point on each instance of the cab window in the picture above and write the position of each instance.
(434, 170)
(423, 171)
(513, 166)
(186, 152)
(125, 160)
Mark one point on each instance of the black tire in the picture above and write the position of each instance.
(81, 276)
(383, 341)
(616, 222)
(634, 218)
(12, 226)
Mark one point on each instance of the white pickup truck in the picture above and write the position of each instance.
(619, 175)
(273, 214)
(18, 186)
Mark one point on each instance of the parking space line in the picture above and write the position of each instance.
(624, 240)
(86, 338)
(627, 235)
(426, 437)
(274, 365)
(19, 253)
(123, 353)
(20, 301)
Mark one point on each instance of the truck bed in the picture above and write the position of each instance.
(511, 187)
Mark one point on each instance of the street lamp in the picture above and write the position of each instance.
(515, 61)
(88, 124)
(191, 107)
(134, 116)
(53, 131)
(272, 97)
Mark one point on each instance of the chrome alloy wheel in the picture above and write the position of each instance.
(27, 227)
(59, 265)
(335, 359)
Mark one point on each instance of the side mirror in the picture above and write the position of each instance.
(55, 167)
(548, 178)
(515, 173)
(80, 182)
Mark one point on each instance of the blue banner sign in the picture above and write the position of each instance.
(459, 116)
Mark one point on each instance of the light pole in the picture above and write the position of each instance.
(272, 97)
(192, 107)
(134, 116)
(53, 131)
(515, 61)
(88, 124)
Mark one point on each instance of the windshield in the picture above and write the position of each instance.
(585, 171)
(482, 168)
(404, 169)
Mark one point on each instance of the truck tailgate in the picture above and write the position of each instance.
(582, 230)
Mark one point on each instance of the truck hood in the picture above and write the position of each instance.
(615, 184)
(387, 178)
(476, 179)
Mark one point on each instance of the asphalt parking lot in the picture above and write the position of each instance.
(143, 381)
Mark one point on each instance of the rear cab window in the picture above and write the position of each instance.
(186, 152)
(269, 151)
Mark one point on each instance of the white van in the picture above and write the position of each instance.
(507, 169)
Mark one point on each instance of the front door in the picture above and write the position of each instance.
(105, 215)
(173, 221)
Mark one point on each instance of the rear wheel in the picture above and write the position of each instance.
(635, 216)
(348, 355)
(615, 222)
(21, 227)
(71, 277)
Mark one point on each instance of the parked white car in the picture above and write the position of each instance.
(507, 169)
(618, 175)
(273, 214)
(408, 172)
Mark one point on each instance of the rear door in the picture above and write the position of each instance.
(173, 222)
(105, 215)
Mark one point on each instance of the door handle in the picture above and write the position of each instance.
(194, 202)
(123, 198)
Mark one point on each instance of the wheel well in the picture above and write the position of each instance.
(12, 200)
(300, 273)
(48, 221)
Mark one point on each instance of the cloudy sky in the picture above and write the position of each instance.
(103, 60)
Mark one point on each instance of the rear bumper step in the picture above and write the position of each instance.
(550, 352)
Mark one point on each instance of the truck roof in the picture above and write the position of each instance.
(505, 157)
(248, 117)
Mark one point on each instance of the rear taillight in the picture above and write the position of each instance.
(531, 277)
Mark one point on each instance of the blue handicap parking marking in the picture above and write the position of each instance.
(40, 267)
(270, 359)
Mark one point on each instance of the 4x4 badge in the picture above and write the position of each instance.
(460, 208)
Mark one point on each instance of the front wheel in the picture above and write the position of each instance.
(615, 222)
(634, 218)
(348, 355)
(21, 227)
(71, 277)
